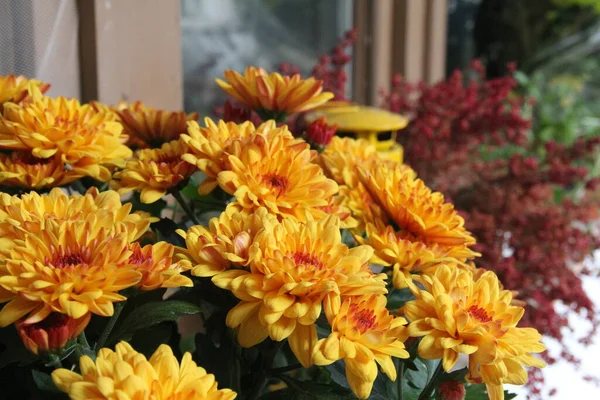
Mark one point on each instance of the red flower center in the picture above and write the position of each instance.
(363, 319)
(52, 321)
(25, 158)
(307, 259)
(138, 257)
(68, 257)
(276, 181)
(479, 313)
(168, 160)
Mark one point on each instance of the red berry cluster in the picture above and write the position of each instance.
(331, 68)
(468, 139)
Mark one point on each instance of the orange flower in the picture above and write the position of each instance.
(149, 127)
(154, 172)
(72, 268)
(87, 140)
(20, 169)
(421, 230)
(30, 213)
(292, 267)
(14, 88)
(210, 146)
(126, 374)
(277, 173)
(158, 269)
(363, 334)
(340, 161)
(414, 208)
(406, 254)
(226, 242)
(457, 314)
(337, 206)
(52, 333)
(272, 92)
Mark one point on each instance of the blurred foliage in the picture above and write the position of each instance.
(516, 30)
(564, 109)
(594, 4)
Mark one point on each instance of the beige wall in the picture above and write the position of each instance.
(132, 51)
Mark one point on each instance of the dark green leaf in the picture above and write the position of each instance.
(151, 314)
(43, 381)
(398, 298)
(146, 341)
(338, 373)
(166, 230)
(309, 390)
(154, 208)
(479, 392)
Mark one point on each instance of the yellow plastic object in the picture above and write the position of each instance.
(375, 125)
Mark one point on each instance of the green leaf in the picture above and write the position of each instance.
(43, 382)
(153, 208)
(337, 371)
(166, 231)
(309, 390)
(151, 314)
(479, 392)
(398, 298)
(476, 392)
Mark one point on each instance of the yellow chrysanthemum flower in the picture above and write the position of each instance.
(343, 155)
(87, 140)
(127, 374)
(337, 206)
(211, 146)
(363, 334)
(71, 268)
(30, 212)
(292, 267)
(13, 88)
(149, 127)
(273, 92)
(20, 169)
(154, 172)
(277, 173)
(456, 314)
(405, 254)
(414, 208)
(226, 242)
(340, 161)
(416, 214)
(157, 265)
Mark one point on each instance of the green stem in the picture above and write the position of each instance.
(83, 340)
(79, 187)
(429, 388)
(54, 361)
(267, 364)
(283, 370)
(185, 207)
(400, 381)
(111, 324)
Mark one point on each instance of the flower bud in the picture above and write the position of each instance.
(452, 391)
(319, 133)
(51, 334)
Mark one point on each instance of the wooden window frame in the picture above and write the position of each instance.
(398, 36)
(125, 56)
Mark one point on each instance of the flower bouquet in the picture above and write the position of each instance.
(147, 256)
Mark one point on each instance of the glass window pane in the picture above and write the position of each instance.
(236, 33)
